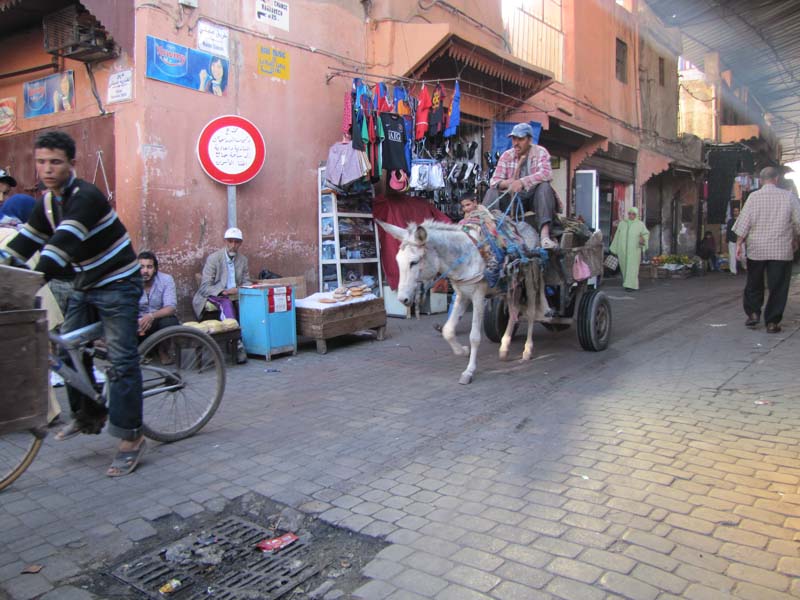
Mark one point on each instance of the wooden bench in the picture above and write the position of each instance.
(228, 342)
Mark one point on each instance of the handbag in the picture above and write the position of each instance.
(580, 270)
(611, 262)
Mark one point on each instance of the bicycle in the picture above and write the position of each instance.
(179, 366)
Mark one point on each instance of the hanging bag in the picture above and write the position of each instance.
(611, 262)
(580, 270)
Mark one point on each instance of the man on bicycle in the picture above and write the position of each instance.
(78, 232)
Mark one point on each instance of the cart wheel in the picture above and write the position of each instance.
(495, 319)
(594, 321)
(555, 326)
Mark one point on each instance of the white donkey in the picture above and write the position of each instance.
(432, 248)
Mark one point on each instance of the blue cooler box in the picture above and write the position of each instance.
(268, 321)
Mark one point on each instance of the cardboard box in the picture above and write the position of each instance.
(297, 283)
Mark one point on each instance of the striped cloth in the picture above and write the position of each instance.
(88, 242)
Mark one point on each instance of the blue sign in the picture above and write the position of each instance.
(186, 67)
(51, 94)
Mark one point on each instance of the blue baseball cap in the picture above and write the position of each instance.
(521, 130)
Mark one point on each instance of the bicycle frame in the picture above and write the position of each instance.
(74, 343)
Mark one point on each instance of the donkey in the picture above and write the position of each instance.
(433, 248)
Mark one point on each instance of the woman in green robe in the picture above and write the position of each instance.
(631, 237)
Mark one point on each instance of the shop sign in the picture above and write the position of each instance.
(213, 38)
(120, 86)
(186, 67)
(273, 12)
(8, 115)
(231, 150)
(51, 94)
(273, 62)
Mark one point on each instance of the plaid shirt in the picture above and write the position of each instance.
(769, 220)
(538, 167)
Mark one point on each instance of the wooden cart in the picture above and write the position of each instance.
(330, 322)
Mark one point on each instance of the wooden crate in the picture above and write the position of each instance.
(324, 324)
(24, 365)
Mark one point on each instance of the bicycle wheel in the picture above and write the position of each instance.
(183, 373)
(17, 451)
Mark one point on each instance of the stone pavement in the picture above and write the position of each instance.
(664, 467)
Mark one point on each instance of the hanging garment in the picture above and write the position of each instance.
(361, 104)
(394, 146)
(436, 124)
(345, 164)
(347, 116)
(454, 114)
(423, 110)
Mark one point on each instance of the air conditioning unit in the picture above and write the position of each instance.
(74, 33)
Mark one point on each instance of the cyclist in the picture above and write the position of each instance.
(80, 234)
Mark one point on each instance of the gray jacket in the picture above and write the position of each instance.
(215, 278)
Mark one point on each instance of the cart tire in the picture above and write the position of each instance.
(555, 326)
(594, 321)
(495, 318)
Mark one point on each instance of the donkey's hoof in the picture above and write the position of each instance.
(527, 355)
(503, 354)
(465, 379)
(461, 351)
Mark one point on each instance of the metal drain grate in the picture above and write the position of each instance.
(242, 573)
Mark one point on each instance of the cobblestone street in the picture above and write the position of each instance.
(665, 467)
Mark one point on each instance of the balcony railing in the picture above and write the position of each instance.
(533, 29)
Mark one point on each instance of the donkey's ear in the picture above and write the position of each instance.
(393, 230)
(421, 235)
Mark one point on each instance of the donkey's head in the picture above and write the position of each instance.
(410, 259)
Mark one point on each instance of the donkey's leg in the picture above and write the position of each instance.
(513, 317)
(530, 312)
(449, 329)
(474, 335)
(527, 353)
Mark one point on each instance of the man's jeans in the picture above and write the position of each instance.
(117, 306)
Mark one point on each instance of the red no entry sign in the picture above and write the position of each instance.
(231, 150)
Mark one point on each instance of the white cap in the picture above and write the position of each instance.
(233, 233)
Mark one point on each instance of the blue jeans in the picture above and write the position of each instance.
(117, 306)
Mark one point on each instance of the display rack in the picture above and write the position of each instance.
(349, 249)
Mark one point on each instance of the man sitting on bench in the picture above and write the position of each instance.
(159, 303)
(225, 270)
(524, 169)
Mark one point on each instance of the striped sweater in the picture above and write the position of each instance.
(89, 241)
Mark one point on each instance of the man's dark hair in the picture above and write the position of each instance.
(57, 140)
(147, 255)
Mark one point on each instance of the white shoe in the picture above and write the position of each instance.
(56, 380)
(549, 244)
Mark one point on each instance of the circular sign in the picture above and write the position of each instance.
(231, 150)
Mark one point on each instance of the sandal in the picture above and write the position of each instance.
(70, 430)
(125, 463)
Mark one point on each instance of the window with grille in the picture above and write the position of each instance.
(622, 61)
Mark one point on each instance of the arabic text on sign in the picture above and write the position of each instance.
(231, 150)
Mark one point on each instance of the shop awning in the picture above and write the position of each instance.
(492, 81)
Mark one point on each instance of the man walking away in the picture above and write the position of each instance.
(769, 223)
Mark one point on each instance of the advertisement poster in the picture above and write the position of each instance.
(273, 12)
(273, 62)
(51, 94)
(120, 86)
(212, 38)
(8, 115)
(186, 67)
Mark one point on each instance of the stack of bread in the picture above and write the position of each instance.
(214, 326)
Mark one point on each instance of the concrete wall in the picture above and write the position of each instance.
(185, 212)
